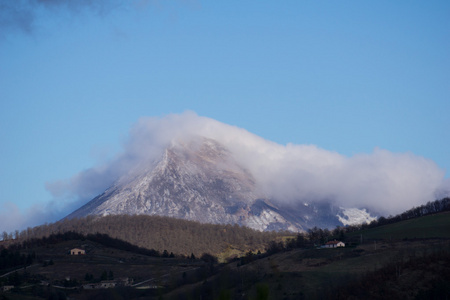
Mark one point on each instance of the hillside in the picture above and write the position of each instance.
(383, 265)
(426, 227)
(55, 274)
(163, 233)
(403, 267)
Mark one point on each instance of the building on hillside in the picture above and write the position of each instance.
(334, 244)
(77, 251)
(107, 284)
(6, 288)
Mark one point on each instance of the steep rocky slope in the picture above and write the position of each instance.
(198, 179)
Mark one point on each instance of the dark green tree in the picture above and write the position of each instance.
(104, 276)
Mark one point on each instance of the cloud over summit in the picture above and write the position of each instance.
(385, 181)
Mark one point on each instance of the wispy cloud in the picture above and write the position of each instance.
(22, 15)
(385, 181)
(13, 218)
(16, 15)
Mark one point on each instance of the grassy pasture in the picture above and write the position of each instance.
(427, 227)
(316, 273)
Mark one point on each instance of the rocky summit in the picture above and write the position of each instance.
(199, 179)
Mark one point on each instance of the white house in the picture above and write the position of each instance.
(334, 244)
(77, 251)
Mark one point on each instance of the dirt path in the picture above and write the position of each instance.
(21, 268)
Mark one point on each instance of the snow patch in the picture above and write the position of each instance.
(353, 216)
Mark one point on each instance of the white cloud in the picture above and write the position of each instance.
(387, 182)
(13, 218)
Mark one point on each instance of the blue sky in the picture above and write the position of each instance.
(347, 76)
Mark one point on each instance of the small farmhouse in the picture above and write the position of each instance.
(334, 244)
(77, 251)
(106, 284)
(6, 288)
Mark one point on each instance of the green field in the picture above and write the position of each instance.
(432, 226)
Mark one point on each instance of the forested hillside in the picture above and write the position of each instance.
(186, 237)
(407, 259)
(161, 233)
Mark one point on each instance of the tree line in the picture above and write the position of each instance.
(318, 236)
(100, 238)
(158, 233)
(10, 259)
(189, 237)
(431, 207)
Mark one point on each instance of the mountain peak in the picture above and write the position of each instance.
(198, 178)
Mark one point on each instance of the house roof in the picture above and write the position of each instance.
(333, 242)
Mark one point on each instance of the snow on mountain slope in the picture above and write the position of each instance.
(353, 216)
(198, 179)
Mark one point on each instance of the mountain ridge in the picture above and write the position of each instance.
(197, 178)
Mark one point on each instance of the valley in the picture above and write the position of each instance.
(400, 265)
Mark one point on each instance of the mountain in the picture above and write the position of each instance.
(199, 179)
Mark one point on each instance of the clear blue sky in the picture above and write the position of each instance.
(347, 76)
